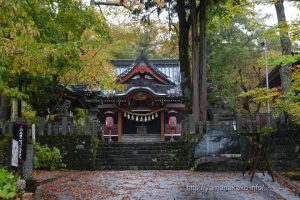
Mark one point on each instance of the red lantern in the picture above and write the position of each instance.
(109, 122)
(172, 122)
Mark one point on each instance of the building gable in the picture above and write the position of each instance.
(143, 68)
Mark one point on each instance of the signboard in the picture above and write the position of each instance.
(20, 135)
(109, 122)
(172, 122)
(15, 153)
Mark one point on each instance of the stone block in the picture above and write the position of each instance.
(218, 164)
(217, 142)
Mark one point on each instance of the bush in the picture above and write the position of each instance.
(8, 184)
(4, 143)
(46, 158)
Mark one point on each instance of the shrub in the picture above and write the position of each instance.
(46, 158)
(8, 184)
(4, 143)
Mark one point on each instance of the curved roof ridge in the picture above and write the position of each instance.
(143, 57)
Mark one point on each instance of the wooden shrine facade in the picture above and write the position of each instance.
(152, 95)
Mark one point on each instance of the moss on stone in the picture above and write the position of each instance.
(77, 150)
(95, 146)
(294, 175)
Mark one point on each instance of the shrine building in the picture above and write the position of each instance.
(150, 106)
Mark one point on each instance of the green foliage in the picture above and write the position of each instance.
(260, 95)
(283, 60)
(4, 144)
(95, 145)
(267, 130)
(8, 184)
(43, 43)
(29, 114)
(46, 158)
(290, 102)
(79, 116)
(129, 39)
(233, 48)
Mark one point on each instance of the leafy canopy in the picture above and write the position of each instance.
(46, 42)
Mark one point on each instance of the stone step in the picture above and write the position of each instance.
(142, 163)
(154, 155)
(134, 149)
(139, 151)
(138, 158)
(180, 155)
(142, 168)
(138, 138)
(136, 145)
(142, 149)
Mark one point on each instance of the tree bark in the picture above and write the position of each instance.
(284, 35)
(285, 71)
(5, 108)
(195, 63)
(183, 43)
(19, 111)
(202, 62)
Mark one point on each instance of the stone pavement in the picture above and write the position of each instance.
(157, 184)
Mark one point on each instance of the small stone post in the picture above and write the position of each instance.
(192, 124)
(216, 122)
(41, 122)
(238, 123)
(4, 129)
(64, 123)
(87, 125)
(10, 129)
(56, 129)
(28, 164)
(49, 130)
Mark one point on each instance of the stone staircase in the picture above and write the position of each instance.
(135, 138)
(142, 156)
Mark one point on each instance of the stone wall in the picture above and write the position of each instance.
(284, 148)
(219, 151)
(77, 151)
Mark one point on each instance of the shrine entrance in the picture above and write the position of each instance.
(141, 128)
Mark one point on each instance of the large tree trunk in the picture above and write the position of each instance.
(202, 60)
(285, 71)
(195, 63)
(5, 108)
(284, 34)
(19, 107)
(183, 44)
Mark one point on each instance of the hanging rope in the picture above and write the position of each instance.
(143, 115)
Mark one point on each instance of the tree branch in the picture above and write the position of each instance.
(258, 73)
(98, 3)
(244, 88)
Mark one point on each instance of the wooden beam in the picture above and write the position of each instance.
(162, 126)
(120, 126)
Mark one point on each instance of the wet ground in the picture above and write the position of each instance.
(65, 185)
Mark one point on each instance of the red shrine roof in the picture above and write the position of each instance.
(156, 79)
(142, 66)
(144, 70)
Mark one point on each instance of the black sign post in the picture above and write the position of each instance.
(20, 135)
